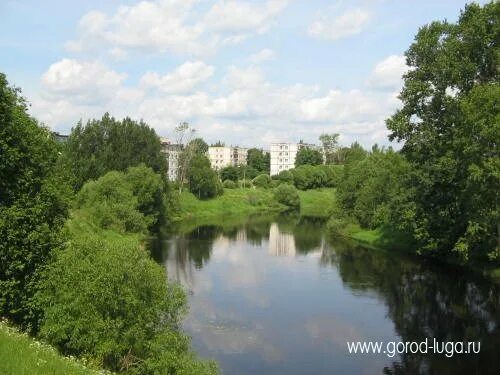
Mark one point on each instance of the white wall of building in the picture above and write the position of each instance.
(283, 156)
(224, 156)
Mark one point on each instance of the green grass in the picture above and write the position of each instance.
(317, 203)
(234, 202)
(23, 355)
(240, 202)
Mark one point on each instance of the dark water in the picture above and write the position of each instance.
(277, 296)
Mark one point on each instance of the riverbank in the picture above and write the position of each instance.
(21, 354)
(238, 202)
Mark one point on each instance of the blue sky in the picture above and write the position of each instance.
(244, 72)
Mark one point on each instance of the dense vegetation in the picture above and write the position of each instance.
(442, 189)
(87, 286)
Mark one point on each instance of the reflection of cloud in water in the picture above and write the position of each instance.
(225, 332)
(281, 244)
(332, 329)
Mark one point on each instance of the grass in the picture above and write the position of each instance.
(316, 203)
(234, 202)
(23, 355)
(243, 202)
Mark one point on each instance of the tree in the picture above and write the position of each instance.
(258, 160)
(108, 144)
(262, 181)
(203, 180)
(34, 200)
(450, 125)
(287, 195)
(330, 147)
(198, 146)
(229, 173)
(107, 300)
(308, 156)
(354, 153)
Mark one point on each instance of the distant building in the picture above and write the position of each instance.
(172, 153)
(283, 155)
(223, 156)
(61, 138)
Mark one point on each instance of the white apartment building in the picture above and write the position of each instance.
(283, 156)
(223, 156)
(171, 152)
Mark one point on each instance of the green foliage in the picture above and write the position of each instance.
(108, 144)
(110, 303)
(229, 184)
(354, 153)
(203, 180)
(247, 172)
(34, 199)
(259, 160)
(245, 183)
(262, 181)
(285, 177)
(371, 189)
(287, 195)
(449, 122)
(308, 156)
(229, 173)
(198, 146)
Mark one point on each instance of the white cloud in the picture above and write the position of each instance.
(173, 26)
(388, 73)
(261, 56)
(246, 108)
(351, 22)
(242, 16)
(84, 82)
(181, 80)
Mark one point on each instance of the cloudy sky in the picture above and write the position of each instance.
(245, 72)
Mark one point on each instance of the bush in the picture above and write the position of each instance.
(228, 184)
(34, 200)
(229, 173)
(203, 180)
(274, 183)
(285, 176)
(287, 194)
(108, 301)
(111, 204)
(245, 183)
(262, 181)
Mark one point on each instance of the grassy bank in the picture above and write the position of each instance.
(23, 355)
(239, 202)
(234, 202)
(316, 203)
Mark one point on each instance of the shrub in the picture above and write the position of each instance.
(229, 173)
(285, 176)
(108, 301)
(287, 194)
(245, 183)
(274, 183)
(228, 184)
(111, 204)
(262, 181)
(203, 180)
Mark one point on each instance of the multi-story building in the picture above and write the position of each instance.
(223, 156)
(171, 152)
(283, 155)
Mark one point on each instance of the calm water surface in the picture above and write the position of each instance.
(277, 296)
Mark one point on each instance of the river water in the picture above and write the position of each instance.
(279, 296)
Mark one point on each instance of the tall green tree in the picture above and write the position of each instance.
(34, 199)
(108, 144)
(203, 180)
(450, 126)
(308, 156)
(259, 160)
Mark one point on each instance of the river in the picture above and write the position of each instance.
(279, 296)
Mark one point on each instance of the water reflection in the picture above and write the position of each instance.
(277, 296)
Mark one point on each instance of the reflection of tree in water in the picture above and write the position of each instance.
(427, 302)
